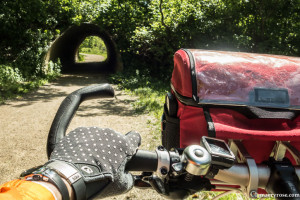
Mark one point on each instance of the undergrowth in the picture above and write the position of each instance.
(151, 91)
(13, 84)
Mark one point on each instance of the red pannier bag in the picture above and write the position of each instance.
(231, 95)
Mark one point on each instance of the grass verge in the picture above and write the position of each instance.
(17, 90)
(150, 93)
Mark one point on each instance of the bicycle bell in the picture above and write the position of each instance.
(197, 159)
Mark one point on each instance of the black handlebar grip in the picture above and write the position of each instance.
(68, 109)
(145, 161)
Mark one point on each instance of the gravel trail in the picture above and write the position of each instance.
(24, 124)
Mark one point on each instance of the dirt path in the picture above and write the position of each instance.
(92, 57)
(24, 125)
(88, 58)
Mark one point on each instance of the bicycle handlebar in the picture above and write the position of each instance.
(238, 174)
(68, 109)
(161, 160)
(145, 161)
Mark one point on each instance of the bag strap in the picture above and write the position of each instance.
(211, 131)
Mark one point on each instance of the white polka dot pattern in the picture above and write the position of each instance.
(89, 145)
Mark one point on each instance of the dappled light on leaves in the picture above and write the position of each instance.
(147, 32)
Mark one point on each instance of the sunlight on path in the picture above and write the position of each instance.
(25, 124)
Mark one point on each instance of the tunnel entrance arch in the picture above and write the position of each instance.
(66, 47)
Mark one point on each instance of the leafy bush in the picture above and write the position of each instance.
(13, 83)
(52, 70)
(9, 76)
(251, 26)
(93, 45)
(148, 32)
(10, 81)
(26, 30)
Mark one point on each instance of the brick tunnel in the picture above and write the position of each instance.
(66, 46)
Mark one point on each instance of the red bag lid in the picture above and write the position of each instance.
(234, 78)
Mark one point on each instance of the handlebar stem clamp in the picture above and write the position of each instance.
(163, 164)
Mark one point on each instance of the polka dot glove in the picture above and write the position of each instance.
(100, 155)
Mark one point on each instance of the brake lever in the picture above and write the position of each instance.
(159, 185)
(147, 180)
(142, 181)
(177, 187)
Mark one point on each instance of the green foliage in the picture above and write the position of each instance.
(52, 70)
(26, 30)
(80, 57)
(13, 84)
(252, 26)
(148, 32)
(93, 45)
(9, 76)
(150, 90)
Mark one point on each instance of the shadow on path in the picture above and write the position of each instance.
(25, 123)
(68, 83)
(60, 87)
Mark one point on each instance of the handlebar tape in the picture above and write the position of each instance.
(145, 161)
(68, 109)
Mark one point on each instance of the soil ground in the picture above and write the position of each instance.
(25, 124)
(89, 58)
(92, 57)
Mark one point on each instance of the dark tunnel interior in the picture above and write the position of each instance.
(66, 46)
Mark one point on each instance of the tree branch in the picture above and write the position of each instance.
(162, 14)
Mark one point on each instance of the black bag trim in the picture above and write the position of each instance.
(170, 130)
(253, 112)
(193, 75)
(211, 131)
(171, 119)
(185, 100)
(250, 112)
